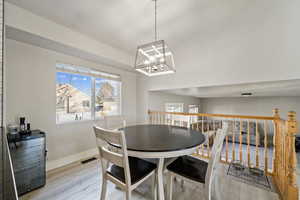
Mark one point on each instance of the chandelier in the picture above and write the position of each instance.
(155, 58)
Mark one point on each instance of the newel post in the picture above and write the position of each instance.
(149, 117)
(292, 162)
(276, 113)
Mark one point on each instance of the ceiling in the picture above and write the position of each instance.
(263, 89)
(127, 23)
(124, 24)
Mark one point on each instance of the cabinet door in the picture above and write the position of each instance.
(29, 164)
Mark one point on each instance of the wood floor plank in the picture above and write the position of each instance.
(82, 182)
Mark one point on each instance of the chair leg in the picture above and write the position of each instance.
(160, 181)
(104, 187)
(182, 185)
(170, 186)
(128, 195)
(154, 187)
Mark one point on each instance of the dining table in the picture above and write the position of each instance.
(161, 142)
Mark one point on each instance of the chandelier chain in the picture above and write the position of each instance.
(155, 20)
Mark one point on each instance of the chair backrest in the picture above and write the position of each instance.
(104, 140)
(214, 159)
(114, 122)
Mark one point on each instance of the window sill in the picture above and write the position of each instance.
(97, 119)
(79, 121)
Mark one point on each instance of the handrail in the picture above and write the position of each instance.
(272, 140)
(217, 115)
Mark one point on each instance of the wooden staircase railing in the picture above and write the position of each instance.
(265, 142)
(285, 157)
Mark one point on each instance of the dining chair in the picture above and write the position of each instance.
(124, 171)
(114, 122)
(195, 170)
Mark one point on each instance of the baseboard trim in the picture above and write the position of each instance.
(54, 164)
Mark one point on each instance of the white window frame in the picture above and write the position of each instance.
(94, 74)
(193, 119)
(181, 105)
(193, 106)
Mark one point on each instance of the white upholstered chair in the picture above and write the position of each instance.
(124, 171)
(195, 170)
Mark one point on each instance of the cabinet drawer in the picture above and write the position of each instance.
(30, 178)
(21, 150)
(22, 167)
(28, 158)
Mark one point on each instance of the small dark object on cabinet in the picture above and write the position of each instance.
(29, 161)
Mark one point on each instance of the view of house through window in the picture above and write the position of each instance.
(85, 95)
(107, 97)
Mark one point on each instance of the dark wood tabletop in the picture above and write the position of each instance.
(161, 138)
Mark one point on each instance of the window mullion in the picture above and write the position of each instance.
(93, 98)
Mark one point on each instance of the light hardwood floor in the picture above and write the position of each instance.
(82, 182)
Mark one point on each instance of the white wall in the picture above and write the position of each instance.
(30, 92)
(260, 44)
(157, 100)
(252, 105)
(142, 96)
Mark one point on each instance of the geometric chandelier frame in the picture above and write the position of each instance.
(154, 58)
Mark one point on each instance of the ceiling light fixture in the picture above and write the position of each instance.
(155, 58)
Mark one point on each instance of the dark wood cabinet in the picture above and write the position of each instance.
(28, 154)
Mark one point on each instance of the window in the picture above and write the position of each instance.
(174, 107)
(84, 94)
(107, 97)
(193, 109)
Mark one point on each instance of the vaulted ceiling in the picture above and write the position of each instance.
(126, 23)
(215, 42)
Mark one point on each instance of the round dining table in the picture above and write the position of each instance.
(161, 142)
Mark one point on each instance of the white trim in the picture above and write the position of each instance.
(54, 164)
(86, 71)
(99, 119)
